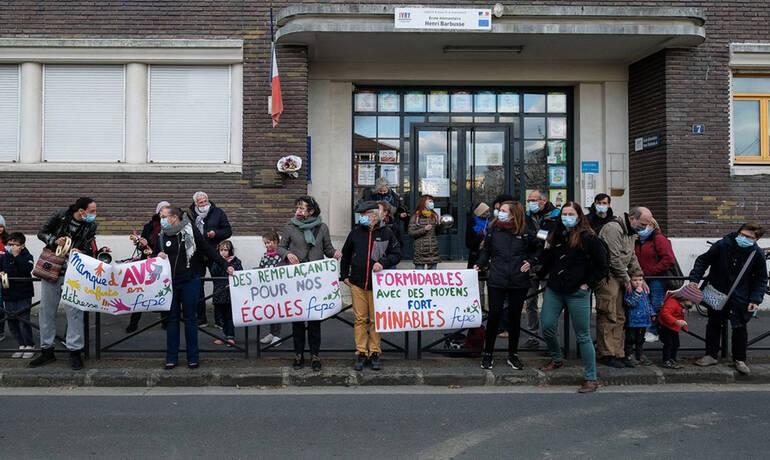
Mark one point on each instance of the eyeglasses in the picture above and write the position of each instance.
(751, 237)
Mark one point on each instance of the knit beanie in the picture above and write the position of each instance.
(690, 293)
(160, 206)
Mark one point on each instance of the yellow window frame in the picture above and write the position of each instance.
(764, 122)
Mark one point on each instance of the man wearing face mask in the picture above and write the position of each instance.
(212, 222)
(541, 215)
(76, 223)
(368, 248)
(600, 212)
(620, 236)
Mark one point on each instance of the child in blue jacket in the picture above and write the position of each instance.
(639, 315)
(17, 262)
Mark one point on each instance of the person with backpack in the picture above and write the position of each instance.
(509, 252)
(619, 236)
(575, 262)
(306, 238)
(737, 269)
(656, 257)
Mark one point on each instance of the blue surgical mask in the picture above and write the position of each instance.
(364, 220)
(602, 209)
(744, 242)
(90, 217)
(569, 221)
(164, 223)
(533, 206)
(645, 232)
(503, 216)
(496, 212)
(431, 205)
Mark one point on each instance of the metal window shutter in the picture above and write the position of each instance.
(189, 114)
(9, 112)
(83, 113)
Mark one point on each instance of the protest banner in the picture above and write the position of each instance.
(304, 292)
(414, 300)
(117, 289)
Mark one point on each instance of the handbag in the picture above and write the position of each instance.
(48, 266)
(714, 298)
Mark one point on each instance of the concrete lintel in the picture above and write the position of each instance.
(146, 168)
(750, 55)
(119, 43)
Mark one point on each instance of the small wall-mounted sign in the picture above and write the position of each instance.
(591, 167)
(647, 142)
(698, 129)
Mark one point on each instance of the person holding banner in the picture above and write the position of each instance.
(305, 239)
(575, 262)
(424, 226)
(75, 227)
(184, 246)
(509, 252)
(368, 248)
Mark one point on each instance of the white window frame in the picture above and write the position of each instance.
(123, 123)
(17, 157)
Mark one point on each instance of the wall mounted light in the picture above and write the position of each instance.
(483, 49)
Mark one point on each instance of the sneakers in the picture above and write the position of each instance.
(612, 361)
(315, 363)
(299, 361)
(76, 362)
(275, 341)
(552, 365)
(741, 367)
(589, 386)
(28, 353)
(672, 364)
(706, 360)
(626, 361)
(515, 362)
(267, 339)
(46, 356)
(360, 361)
(531, 343)
(19, 353)
(375, 360)
(503, 335)
(487, 361)
(649, 337)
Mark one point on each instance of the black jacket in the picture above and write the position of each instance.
(174, 248)
(18, 267)
(394, 227)
(363, 248)
(150, 232)
(473, 241)
(215, 220)
(505, 253)
(598, 222)
(57, 226)
(725, 260)
(543, 220)
(568, 268)
(221, 286)
(391, 197)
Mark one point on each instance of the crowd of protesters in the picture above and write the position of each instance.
(521, 250)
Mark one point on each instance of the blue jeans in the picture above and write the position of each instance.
(425, 267)
(225, 311)
(185, 294)
(578, 305)
(657, 296)
(21, 330)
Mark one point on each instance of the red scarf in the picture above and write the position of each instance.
(504, 225)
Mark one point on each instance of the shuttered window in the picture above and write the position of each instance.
(9, 112)
(83, 113)
(189, 114)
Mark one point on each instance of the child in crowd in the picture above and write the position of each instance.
(17, 262)
(271, 259)
(222, 291)
(639, 315)
(672, 321)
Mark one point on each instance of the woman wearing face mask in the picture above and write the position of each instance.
(655, 256)
(305, 238)
(725, 260)
(509, 252)
(574, 261)
(76, 223)
(423, 229)
(184, 246)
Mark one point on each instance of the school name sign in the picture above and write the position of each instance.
(117, 289)
(304, 292)
(413, 300)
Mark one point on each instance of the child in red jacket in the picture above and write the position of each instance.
(672, 321)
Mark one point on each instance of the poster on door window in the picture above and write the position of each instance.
(388, 156)
(485, 102)
(434, 166)
(557, 176)
(489, 154)
(558, 196)
(366, 102)
(390, 174)
(462, 102)
(436, 187)
(366, 174)
(508, 103)
(438, 101)
(557, 152)
(389, 101)
(557, 128)
(414, 102)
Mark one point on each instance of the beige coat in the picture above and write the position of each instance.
(620, 242)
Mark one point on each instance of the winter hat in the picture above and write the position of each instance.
(365, 206)
(690, 293)
(380, 182)
(161, 205)
(2, 221)
(480, 209)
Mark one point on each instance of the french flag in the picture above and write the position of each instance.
(275, 81)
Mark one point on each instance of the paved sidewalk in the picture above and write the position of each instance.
(276, 372)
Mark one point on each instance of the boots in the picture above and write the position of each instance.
(76, 362)
(46, 356)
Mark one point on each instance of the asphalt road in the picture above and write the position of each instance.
(652, 422)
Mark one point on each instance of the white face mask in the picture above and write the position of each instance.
(204, 209)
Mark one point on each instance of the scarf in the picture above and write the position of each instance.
(271, 253)
(185, 228)
(307, 227)
(505, 225)
(201, 215)
(481, 225)
(426, 212)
